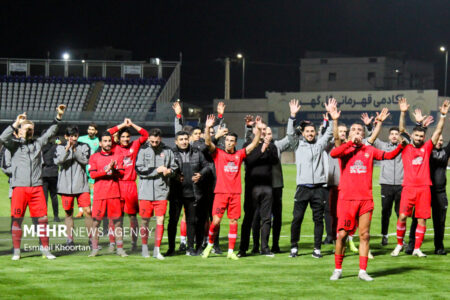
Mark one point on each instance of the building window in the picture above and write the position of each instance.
(323, 61)
(331, 76)
(371, 75)
(373, 59)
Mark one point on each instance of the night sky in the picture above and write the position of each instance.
(273, 35)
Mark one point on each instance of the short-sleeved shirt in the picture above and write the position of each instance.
(416, 164)
(228, 171)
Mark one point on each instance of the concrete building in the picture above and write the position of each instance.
(320, 71)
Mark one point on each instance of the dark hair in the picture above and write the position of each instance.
(394, 129)
(181, 132)
(187, 128)
(72, 130)
(419, 128)
(126, 129)
(232, 134)
(342, 125)
(191, 132)
(156, 132)
(93, 125)
(105, 133)
(358, 123)
(309, 125)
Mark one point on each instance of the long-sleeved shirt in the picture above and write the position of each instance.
(259, 165)
(438, 168)
(106, 184)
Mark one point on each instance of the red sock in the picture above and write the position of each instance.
(43, 233)
(401, 229)
(159, 235)
(232, 235)
(183, 228)
(111, 228)
(338, 259)
(420, 233)
(95, 243)
(16, 231)
(119, 244)
(212, 233)
(144, 235)
(363, 262)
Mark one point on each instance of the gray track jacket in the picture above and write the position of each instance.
(153, 185)
(72, 178)
(309, 157)
(391, 170)
(26, 160)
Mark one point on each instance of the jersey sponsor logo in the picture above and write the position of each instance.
(131, 150)
(127, 161)
(237, 157)
(358, 167)
(422, 150)
(417, 161)
(367, 155)
(231, 167)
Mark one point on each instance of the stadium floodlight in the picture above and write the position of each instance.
(397, 71)
(83, 61)
(445, 50)
(242, 58)
(66, 56)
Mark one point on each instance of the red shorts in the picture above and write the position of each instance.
(418, 197)
(83, 200)
(23, 196)
(349, 211)
(232, 202)
(112, 207)
(147, 208)
(129, 194)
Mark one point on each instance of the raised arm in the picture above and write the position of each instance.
(331, 108)
(248, 128)
(383, 155)
(208, 124)
(257, 137)
(144, 133)
(440, 125)
(343, 149)
(404, 106)
(178, 123)
(294, 108)
(117, 128)
(379, 122)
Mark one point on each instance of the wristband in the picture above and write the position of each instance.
(220, 116)
(178, 116)
(443, 116)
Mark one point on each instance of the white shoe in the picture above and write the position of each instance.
(418, 253)
(364, 276)
(370, 255)
(158, 256)
(16, 257)
(397, 250)
(337, 274)
(46, 254)
(121, 252)
(93, 253)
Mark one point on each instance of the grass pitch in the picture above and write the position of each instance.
(254, 277)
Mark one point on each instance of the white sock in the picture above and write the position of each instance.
(293, 250)
(385, 235)
(156, 250)
(183, 239)
(80, 209)
(338, 270)
(350, 238)
(317, 251)
(230, 251)
(144, 247)
(210, 244)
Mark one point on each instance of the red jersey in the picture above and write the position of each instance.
(106, 184)
(228, 171)
(416, 165)
(356, 164)
(129, 153)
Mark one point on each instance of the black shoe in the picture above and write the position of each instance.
(327, 241)
(182, 247)
(276, 249)
(133, 247)
(317, 254)
(216, 250)
(384, 241)
(267, 253)
(293, 254)
(191, 252)
(241, 254)
(56, 219)
(69, 244)
(409, 250)
(440, 252)
(255, 250)
(170, 252)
